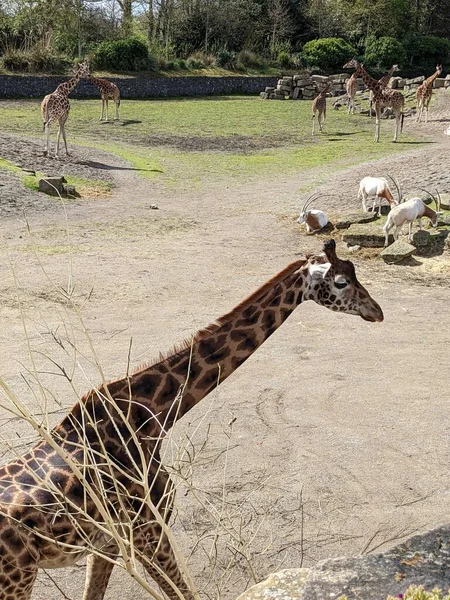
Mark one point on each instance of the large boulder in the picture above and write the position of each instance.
(52, 185)
(366, 236)
(421, 238)
(354, 219)
(397, 251)
(421, 560)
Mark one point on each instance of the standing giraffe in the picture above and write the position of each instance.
(319, 105)
(423, 94)
(384, 81)
(108, 91)
(56, 107)
(37, 527)
(381, 98)
(350, 86)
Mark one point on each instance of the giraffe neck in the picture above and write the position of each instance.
(97, 82)
(372, 84)
(429, 82)
(157, 395)
(66, 87)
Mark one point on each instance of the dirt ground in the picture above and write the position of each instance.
(336, 429)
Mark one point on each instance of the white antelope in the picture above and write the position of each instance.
(408, 212)
(376, 187)
(314, 219)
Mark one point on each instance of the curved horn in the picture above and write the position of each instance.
(394, 181)
(429, 193)
(310, 199)
(438, 204)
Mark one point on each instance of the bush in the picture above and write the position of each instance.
(425, 52)
(328, 54)
(37, 60)
(225, 59)
(182, 64)
(382, 53)
(284, 60)
(248, 59)
(129, 54)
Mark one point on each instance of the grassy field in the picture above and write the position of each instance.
(189, 141)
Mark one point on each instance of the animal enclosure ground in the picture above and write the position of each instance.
(331, 439)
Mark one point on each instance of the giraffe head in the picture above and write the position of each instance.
(332, 283)
(439, 69)
(83, 70)
(352, 64)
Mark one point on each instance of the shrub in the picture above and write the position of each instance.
(225, 59)
(284, 60)
(182, 64)
(207, 60)
(425, 52)
(382, 53)
(328, 54)
(247, 58)
(129, 54)
(37, 60)
(195, 63)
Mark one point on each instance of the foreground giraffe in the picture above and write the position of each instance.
(381, 98)
(424, 92)
(384, 81)
(148, 401)
(56, 107)
(319, 105)
(108, 91)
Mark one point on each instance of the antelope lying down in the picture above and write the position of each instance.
(314, 219)
(376, 187)
(408, 212)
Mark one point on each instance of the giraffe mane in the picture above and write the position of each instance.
(213, 327)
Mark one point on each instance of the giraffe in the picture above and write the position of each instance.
(108, 90)
(350, 87)
(55, 107)
(424, 92)
(382, 98)
(319, 105)
(384, 81)
(35, 532)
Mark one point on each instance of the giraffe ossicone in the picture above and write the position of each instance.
(114, 435)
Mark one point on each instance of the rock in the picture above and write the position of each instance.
(439, 82)
(367, 236)
(29, 171)
(269, 89)
(69, 190)
(356, 218)
(421, 238)
(286, 584)
(420, 560)
(153, 206)
(52, 185)
(415, 80)
(445, 201)
(443, 220)
(319, 78)
(397, 252)
(353, 249)
(447, 242)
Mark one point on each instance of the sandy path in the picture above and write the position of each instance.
(348, 414)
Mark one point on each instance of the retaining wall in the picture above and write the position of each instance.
(16, 86)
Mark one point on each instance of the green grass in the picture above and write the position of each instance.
(190, 141)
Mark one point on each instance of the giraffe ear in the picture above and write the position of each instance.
(319, 270)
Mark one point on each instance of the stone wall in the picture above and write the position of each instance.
(17, 86)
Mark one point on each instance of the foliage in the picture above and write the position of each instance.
(327, 53)
(247, 58)
(34, 61)
(129, 54)
(382, 53)
(225, 58)
(426, 52)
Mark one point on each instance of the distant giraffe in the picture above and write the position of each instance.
(40, 528)
(108, 91)
(56, 107)
(382, 98)
(351, 86)
(424, 92)
(319, 105)
(384, 81)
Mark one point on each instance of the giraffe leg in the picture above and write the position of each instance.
(57, 140)
(103, 104)
(98, 572)
(314, 124)
(377, 121)
(106, 105)
(47, 137)
(63, 131)
(157, 555)
(116, 118)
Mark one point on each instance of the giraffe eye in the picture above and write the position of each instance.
(340, 283)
